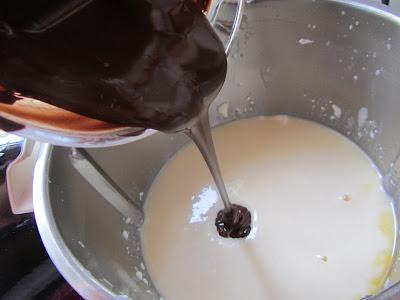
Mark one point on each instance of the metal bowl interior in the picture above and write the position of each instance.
(333, 62)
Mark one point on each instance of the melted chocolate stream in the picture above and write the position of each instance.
(234, 220)
(140, 63)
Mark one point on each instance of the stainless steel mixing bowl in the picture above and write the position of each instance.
(333, 62)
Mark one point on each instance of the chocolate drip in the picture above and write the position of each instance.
(234, 223)
(9, 126)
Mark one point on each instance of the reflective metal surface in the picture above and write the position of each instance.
(333, 62)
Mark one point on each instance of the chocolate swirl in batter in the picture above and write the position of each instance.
(235, 223)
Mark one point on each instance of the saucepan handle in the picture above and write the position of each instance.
(19, 176)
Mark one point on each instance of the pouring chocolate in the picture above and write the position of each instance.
(153, 64)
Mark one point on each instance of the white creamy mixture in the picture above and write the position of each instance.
(322, 225)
